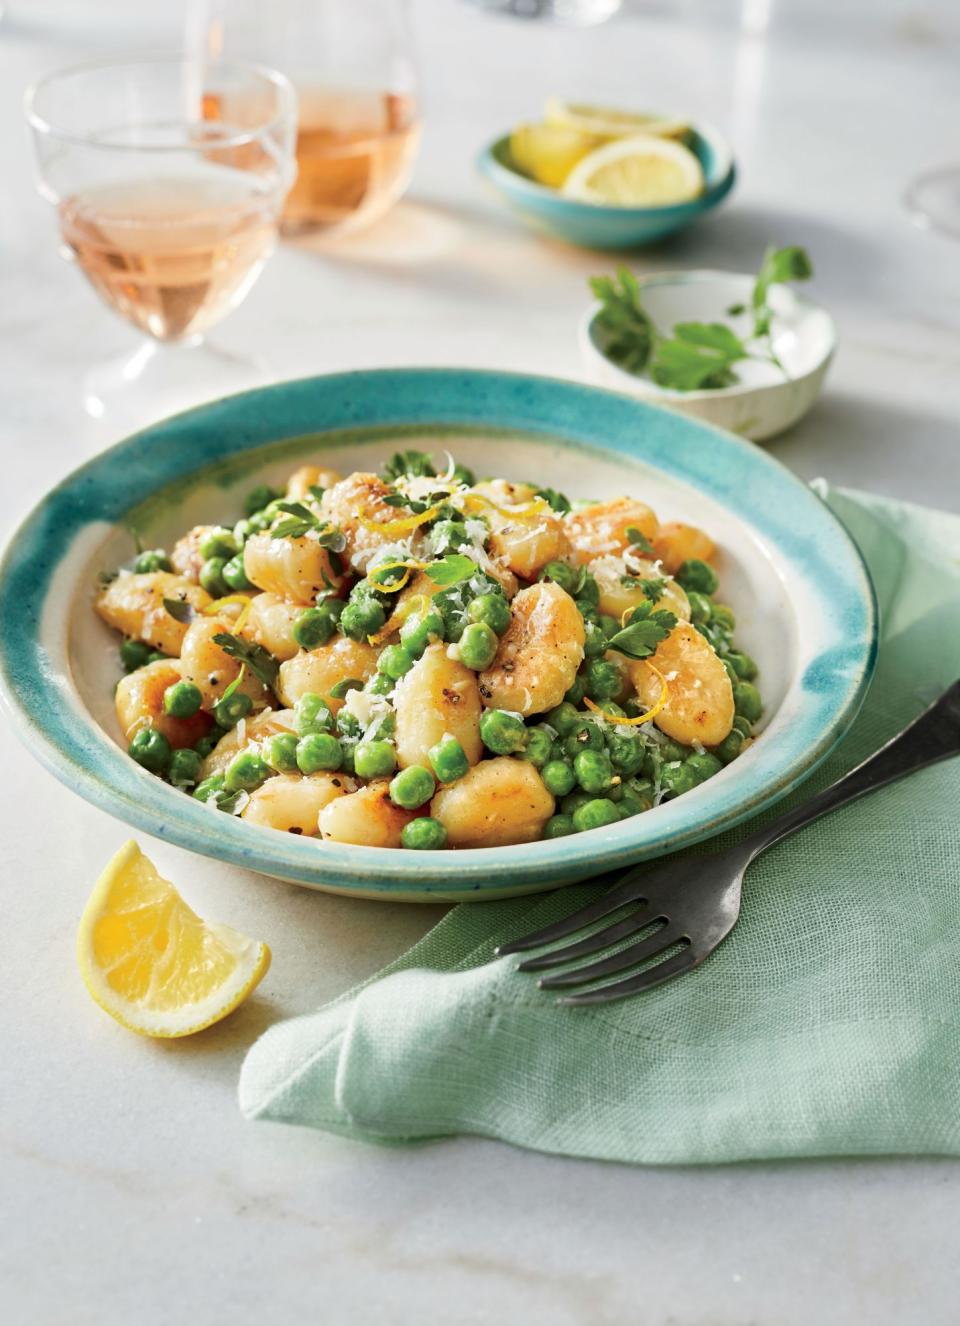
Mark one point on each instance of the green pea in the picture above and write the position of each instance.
(150, 749)
(348, 725)
(577, 691)
(589, 592)
(133, 654)
(349, 758)
(312, 628)
(595, 640)
(182, 699)
(242, 531)
(595, 814)
(218, 542)
(491, 610)
(722, 616)
(478, 646)
(742, 664)
(572, 802)
(234, 574)
(698, 575)
(672, 750)
(246, 772)
(604, 680)
(564, 718)
(743, 725)
(318, 751)
(610, 707)
(675, 779)
(588, 611)
(341, 689)
(538, 747)
(587, 736)
(157, 656)
(729, 748)
(558, 826)
(362, 617)
(700, 607)
(380, 684)
(704, 765)
(395, 662)
(210, 741)
(258, 498)
(280, 752)
(411, 787)
(558, 778)
(446, 534)
(730, 670)
(420, 630)
(311, 713)
(374, 759)
(231, 709)
(424, 834)
(609, 625)
(153, 560)
(593, 770)
(502, 733)
(211, 577)
(630, 804)
(449, 759)
(627, 752)
(211, 788)
(184, 768)
(561, 574)
(747, 701)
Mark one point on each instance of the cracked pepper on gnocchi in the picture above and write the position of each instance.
(416, 659)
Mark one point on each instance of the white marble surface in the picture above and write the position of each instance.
(132, 1191)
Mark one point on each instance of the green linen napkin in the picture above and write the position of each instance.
(827, 1024)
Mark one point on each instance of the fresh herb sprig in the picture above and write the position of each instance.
(643, 632)
(698, 355)
(258, 661)
(300, 520)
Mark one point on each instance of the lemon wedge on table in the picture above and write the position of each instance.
(151, 962)
(636, 172)
(607, 122)
(548, 152)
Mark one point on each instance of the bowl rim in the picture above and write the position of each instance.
(704, 276)
(61, 732)
(714, 189)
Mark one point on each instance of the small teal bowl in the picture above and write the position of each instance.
(802, 597)
(591, 226)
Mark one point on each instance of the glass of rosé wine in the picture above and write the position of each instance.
(169, 178)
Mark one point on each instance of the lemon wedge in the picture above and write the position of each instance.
(548, 152)
(606, 122)
(151, 962)
(636, 172)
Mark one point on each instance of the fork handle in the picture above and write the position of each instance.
(934, 736)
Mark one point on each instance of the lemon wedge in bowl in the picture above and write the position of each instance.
(151, 962)
(636, 172)
(607, 122)
(549, 152)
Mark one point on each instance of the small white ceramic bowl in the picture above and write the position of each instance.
(763, 403)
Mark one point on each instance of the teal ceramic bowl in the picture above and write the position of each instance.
(596, 227)
(802, 597)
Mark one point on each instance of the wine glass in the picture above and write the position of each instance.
(352, 65)
(168, 177)
(933, 199)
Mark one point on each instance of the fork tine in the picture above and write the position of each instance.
(600, 939)
(594, 911)
(644, 980)
(650, 947)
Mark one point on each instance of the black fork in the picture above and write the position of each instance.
(694, 901)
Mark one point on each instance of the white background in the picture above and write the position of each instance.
(133, 1191)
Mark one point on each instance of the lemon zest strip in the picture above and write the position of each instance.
(640, 718)
(214, 608)
(399, 526)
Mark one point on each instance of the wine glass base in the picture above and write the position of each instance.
(933, 200)
(161, 379)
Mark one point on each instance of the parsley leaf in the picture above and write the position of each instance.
(638, 539)
(558, 501)
(403, 463)
(262, 664)
(622, 329)
(450, 570)
(700, 354)
(778, 267)
(316, 492)
(652, 589)
(180, 610)
(644, 632)
(300, 520)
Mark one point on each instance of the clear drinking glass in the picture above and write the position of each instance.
(933, 199)
(578, 13)
(351, 63)
(168, 177)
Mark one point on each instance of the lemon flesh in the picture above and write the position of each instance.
(636, 172)
(151, 962)
(548, 153)
(607, 122)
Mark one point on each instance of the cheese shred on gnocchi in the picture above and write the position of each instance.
(419, 660)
